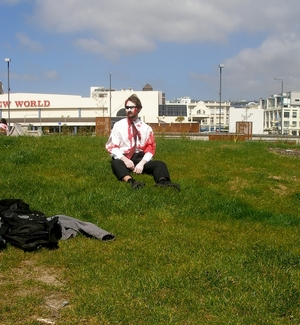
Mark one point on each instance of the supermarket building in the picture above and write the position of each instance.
(52, 112)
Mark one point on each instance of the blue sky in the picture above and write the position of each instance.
(67, 46)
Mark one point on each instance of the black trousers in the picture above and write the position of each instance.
(158, 169)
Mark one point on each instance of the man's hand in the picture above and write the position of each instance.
(128, 163)
(138, 169)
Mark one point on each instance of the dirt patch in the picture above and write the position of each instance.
(44, 283)
(237, 184)
(286, 152)
(27, 270)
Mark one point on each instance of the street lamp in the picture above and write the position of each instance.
(281, 103)
(110, 95)
(221, 66)
(110, 124)
(8, 90)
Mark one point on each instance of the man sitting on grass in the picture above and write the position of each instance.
(132, 145)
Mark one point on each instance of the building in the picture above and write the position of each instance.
(218, 116)
(210, 115)
(282, 113)
(248, 113)
(51, 112)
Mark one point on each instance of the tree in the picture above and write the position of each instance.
(179, 119)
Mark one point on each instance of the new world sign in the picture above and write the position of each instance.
(26, 103)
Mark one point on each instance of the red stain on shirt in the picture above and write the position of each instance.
(150, 144)
(123, 136)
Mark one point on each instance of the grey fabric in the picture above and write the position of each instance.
(71, 227)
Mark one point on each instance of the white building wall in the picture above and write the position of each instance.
(150, 102)
(26, 106)
(282, 119)
(254, 115)
(62, 108)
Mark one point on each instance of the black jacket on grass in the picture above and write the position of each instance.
(31, 230)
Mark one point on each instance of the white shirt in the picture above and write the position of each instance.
(121, 139)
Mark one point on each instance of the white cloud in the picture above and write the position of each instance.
(11, 2)
(23, 77)
(252, 70)
(275, 58)
(45, 75)
(170, 20)
(27, 43)
(115, 28)
(110, 49)
(146, 20)
(50, 75)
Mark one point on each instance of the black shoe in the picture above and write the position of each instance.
(165, 183)
(136, 185)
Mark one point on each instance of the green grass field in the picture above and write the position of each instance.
(224, 250)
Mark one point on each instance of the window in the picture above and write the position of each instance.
(286, 114)
(286, 124)
(121, 112)
(294, 114)
(172, 110)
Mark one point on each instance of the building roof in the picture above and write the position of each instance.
(147, 87)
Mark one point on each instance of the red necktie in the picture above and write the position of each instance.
(134, 136)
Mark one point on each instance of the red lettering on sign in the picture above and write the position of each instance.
(26, 103)
(5, 104)
(19, 104)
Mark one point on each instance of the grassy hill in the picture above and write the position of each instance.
(225, 250)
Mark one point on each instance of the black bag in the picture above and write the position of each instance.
(29, 230)
(2, 243)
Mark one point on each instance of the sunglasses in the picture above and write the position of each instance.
(130, 107)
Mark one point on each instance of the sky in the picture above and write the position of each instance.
(176, 46)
